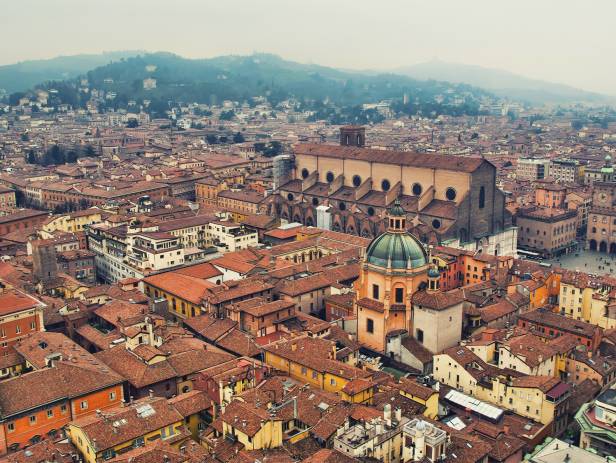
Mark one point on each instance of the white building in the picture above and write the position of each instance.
(380, 438)
(231, 237)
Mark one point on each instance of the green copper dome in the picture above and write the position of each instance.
(400, 250)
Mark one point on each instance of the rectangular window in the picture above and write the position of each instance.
(11, 427)
(83, 405)
(112, 396)
(63, 408)
(375, 292)
(399, 295)
(49, 413)
(419, 335)
(32, 419)
(18, 329)
(370, 325)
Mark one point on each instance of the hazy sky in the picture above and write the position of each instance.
(567, 41)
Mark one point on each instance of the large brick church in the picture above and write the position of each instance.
(348, 187)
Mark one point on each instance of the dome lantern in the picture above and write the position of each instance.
(396, 218)
(396, 249)
(434, 279)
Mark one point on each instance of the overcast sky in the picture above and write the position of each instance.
(566, 41)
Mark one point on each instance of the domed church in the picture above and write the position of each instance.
(394, 267)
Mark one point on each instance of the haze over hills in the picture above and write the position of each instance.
(21, 76)
(503, 83)
(241, 78)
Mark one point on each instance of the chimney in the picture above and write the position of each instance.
(398, 414)
(150, 393)
(387, 414)
(294, 346)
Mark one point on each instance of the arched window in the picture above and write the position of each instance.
(356, 180)
(416, 189)
(436, 224)
(341, 206)
(358, 140)
(371, 211)
(329, 177)
(482, 197)
(305, 173)
(290, 196)
(347, 140)
(450, 194)
(315, 201)
(385, 185)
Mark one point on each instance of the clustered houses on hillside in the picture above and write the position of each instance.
(310, 293)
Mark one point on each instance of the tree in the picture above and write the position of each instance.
(90, 150)
(32, 157)
(71, 157)
(24, 136)
(15, 97)
(238, 138)
(577, 124)
(132, 123)
(211, 139)
(227, 115)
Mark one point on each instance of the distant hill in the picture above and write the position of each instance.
(503, 83)
(26, 74)
(241, 78)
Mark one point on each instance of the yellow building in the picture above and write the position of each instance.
(423, 395)
(312, 361)
(394, 266)
(251, 426)
(74, 221)
(540, 398)
(587, 298)
(192, 406)
(103, 435)
(183, 293)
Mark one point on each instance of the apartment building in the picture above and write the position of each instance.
(539, 398)
(588, 298)
(566, 170)
(230, 236)
(532, 168)
(547, 231)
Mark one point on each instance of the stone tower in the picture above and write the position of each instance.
(353, 135)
